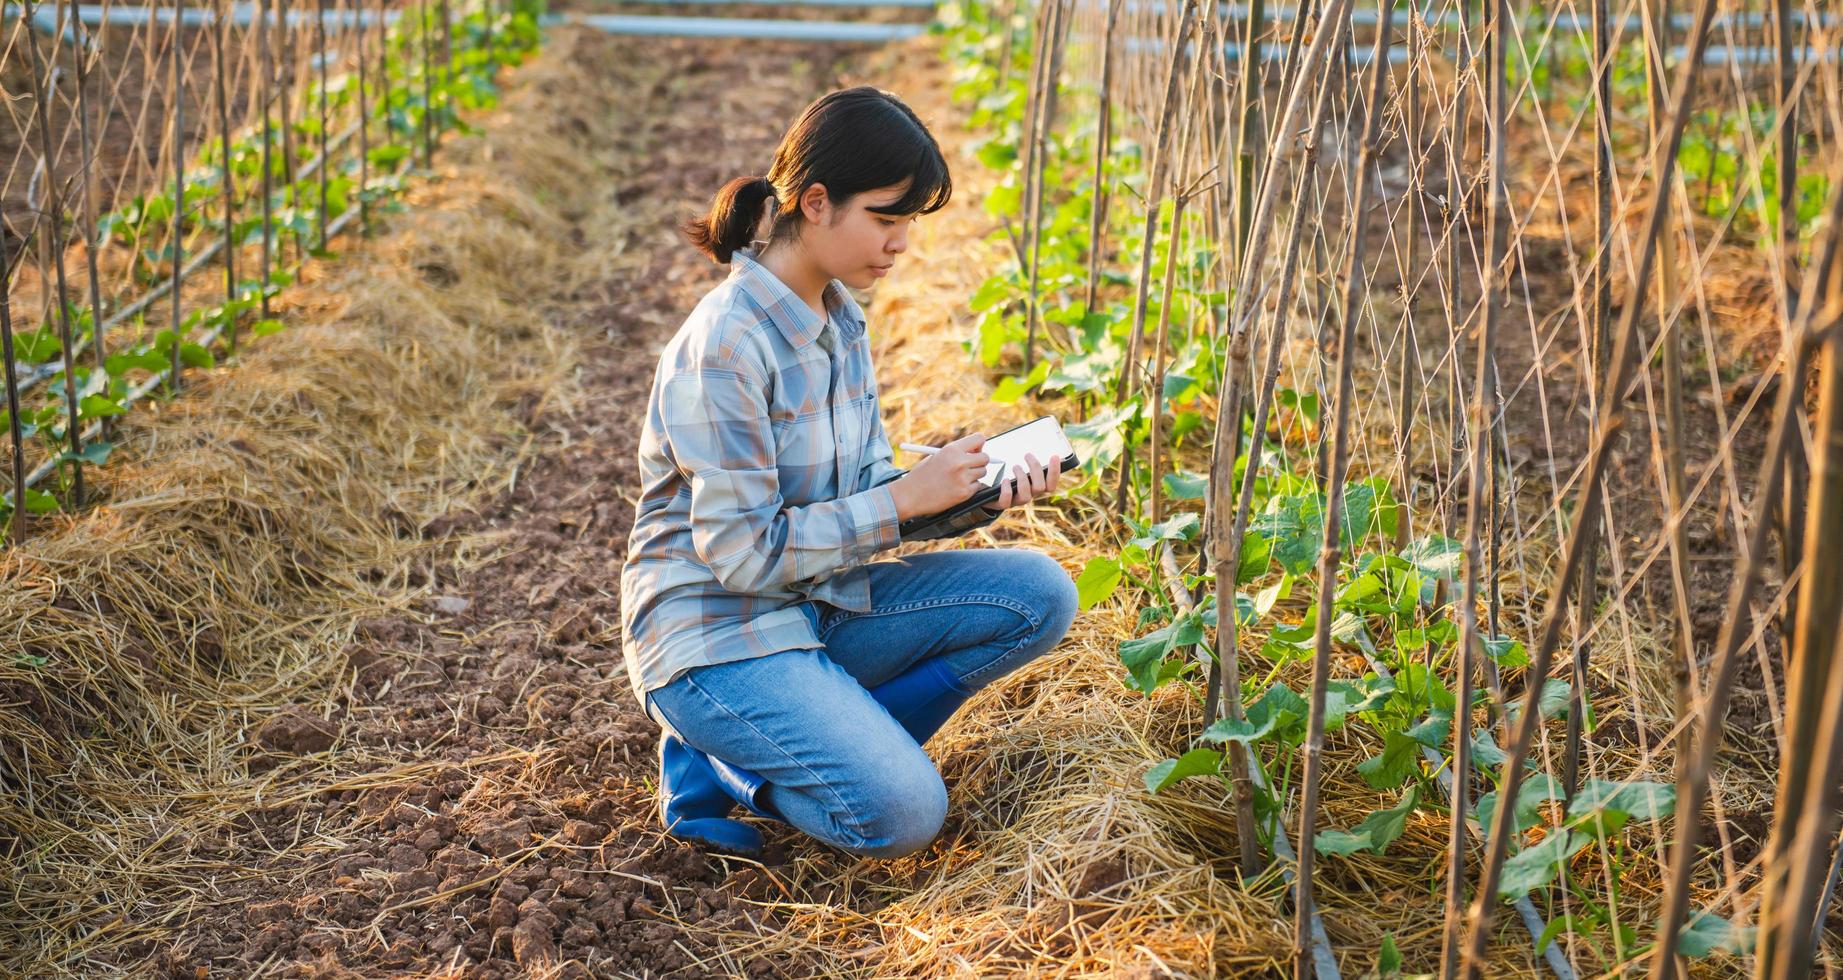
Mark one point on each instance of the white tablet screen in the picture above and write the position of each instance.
(1042, 437)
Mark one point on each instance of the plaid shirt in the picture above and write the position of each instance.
(764, 473)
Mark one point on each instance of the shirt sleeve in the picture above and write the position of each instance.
(879, 469)
(721, 438)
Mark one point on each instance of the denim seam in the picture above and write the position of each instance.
(1003, 602)
(851, 816)
(969, 680)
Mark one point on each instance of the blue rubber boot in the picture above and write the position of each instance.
(921, 699)
(695, 805)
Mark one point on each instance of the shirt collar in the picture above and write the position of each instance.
(796, 320)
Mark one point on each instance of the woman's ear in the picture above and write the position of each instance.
(816, 204)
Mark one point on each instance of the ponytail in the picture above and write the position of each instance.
(850, 141)
(733, 216)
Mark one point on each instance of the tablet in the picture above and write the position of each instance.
(1042, 437)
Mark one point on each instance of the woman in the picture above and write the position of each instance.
(788, 672)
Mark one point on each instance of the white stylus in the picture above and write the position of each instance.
(931, 450)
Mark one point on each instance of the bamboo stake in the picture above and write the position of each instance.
(16, 521)
(1792, 505)
(1046, 114)
(364, 124)
(92, 236)
(1330, 555)
(265, 60)
(1155, 193)
(1103, 148)
(179, 195)
(322, 55)
(1408, 370)
(1226, 445)
(1602, 312)
(1790, 936)
(1478, 438)
(1804, 790)
(229, 181)
(1246, 152)
(1172, 249)
(44, 90)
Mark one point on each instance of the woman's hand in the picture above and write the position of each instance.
(1032, 481)
(942, 480)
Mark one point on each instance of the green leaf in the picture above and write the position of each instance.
(1225, 730)
(1277, 711)
(1256, 555)
(146, 360)
(97, 406)
(997, 153)
(1185, 485)
(1532, 792)
(1506, 652)
(1437, 557)
(1264, 601)
(263, 328)
(1400, 758)
(1099, 440)
(94, 453)
(992, 292)
(1004, 200)
(1553, 702)
(1639, 800)
(1708, 933)
(1179, 527)
(1340, 842)
(1535, 866)
(1294, 525)
(1345, 698)
(1388, 958)
(1557, 926)
(1144, 655)
(1011, 389)
(27, 427)
(1484, 748)
(994, 329)
(1196, 762)
(37, 346)
(1098, 579)
(40, 502)
(195, 355)
(1375, 833)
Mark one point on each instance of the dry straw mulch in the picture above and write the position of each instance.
(174, 656)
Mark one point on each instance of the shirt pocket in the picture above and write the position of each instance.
(805, 456)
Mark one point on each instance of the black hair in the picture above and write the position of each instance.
(850, 141)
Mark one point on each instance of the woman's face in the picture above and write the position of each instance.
(851, 242)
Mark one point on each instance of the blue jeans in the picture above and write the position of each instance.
(840, 768)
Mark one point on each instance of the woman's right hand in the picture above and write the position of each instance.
(941, 480)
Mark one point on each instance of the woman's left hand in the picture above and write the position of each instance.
(1032, 480)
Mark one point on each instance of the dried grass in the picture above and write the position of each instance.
(247, 526)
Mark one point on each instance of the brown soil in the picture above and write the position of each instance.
(499, 817)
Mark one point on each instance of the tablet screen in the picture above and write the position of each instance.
(1042, 437)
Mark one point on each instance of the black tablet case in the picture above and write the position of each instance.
(916, 528)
